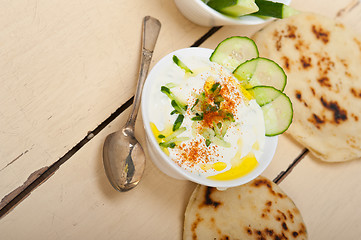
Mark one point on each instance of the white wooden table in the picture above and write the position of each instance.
(65, 68)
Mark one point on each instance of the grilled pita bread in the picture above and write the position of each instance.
(256, 210)
(322, 59)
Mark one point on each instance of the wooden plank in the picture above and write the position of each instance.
(64, 68)
(328, 196)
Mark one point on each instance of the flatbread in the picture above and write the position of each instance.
(256, 210)
(322, 59)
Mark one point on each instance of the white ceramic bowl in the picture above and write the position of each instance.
(200, 13)
(162, 161)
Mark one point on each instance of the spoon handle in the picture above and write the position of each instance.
(151, 28)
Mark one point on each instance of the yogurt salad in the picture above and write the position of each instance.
(204, 120)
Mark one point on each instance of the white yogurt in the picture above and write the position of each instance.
(245, 136)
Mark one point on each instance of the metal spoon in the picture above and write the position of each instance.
(123, 156)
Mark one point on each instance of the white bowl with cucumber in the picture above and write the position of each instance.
(234, 12)
(257, 79)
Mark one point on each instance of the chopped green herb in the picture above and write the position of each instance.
(174, 112)
(161, 136)
(225, 127)
(167, 144)
(215, 86)
(178, 122)
(211, 108)
(174, 134)
(198, 117)
(165, 90)
(195, 104)
(217, 130)
(181, 64)
(179, 109)
(208, 142)
(230, 116)
(172, 97)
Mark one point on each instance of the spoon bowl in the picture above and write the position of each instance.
(125, 174)
(123, 156)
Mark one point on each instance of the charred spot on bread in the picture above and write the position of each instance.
(356, 92)
(269, 232)
(282, 214)
(264, 182)
(339, 114)
(286, 63)
(278, 42)
(298, 95)
(305, 62)
(321, 34)
(208, 201)
(316, 120)
(291, 31)
(358, 43)
(249, 230)
(302, 45)
(313, 91)
(324, 63)
(195, 225)
(324, 81)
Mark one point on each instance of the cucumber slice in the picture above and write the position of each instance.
(264, 94)
(277, 113)
(274, 9)
(245, 71)
(234, 8)
(233, 51)
(261, 72)
(181, 64)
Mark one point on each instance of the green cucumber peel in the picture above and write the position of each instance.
(233, 8)
(274, 9)
(276, 107)
(176, 104)
(180, 64)
(233, 51)
(220, 4)
(174, 134)
(178, 122)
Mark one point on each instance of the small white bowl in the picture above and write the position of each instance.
(167, 165)
(200, 13)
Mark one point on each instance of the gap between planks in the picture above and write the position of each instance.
(12, 199)
(27, 188)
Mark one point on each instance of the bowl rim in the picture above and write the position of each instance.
(267, 155)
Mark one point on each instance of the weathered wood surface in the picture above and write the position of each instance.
(65, 67)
